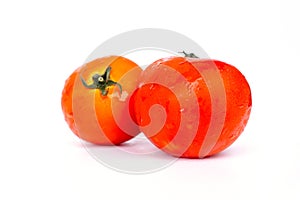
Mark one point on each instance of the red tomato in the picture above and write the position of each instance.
(95, 100)
(191, 107)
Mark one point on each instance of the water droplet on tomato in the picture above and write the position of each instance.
(170, 126)
(241, 106)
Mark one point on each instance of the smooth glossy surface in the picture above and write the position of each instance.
(96, 118)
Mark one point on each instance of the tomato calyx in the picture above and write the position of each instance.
(102, 82)
(188, 55)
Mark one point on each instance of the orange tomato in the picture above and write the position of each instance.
(95, 100)
(191, 107)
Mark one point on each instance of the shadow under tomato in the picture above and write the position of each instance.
(141, 145)
(231, 152)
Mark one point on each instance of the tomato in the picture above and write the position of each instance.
(95, 100)
(191, 107)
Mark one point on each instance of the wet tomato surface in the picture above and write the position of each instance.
(191, 107)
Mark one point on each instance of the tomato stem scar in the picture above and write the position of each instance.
(102, 82)
(188, 55)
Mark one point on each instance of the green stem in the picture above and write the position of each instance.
(102, 82)
(188, 55)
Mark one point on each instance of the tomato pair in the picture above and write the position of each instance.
(186, 106)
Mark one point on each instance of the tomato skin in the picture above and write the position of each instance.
(96, 118)
(66, 101)
(201, 118)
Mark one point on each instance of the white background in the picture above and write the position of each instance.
(42, 42)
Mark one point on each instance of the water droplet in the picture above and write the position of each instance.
(189, 126)
(241, 106)
(170, 126)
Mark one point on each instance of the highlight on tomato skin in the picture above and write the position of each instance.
(96, 110)
(222, 102)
